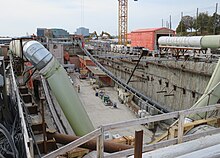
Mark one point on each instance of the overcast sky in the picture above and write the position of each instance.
(19, 17)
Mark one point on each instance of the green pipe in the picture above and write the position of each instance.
(60, 85)
(211, 94)
(210, 41)
(68, 98)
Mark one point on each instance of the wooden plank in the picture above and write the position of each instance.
(140, 121)
(77, 153)
(172, 133)
(74, 144)
(159, 117)
(100, 145)
(197, 122)
(160, 137)
(201, 109)
(180, 127)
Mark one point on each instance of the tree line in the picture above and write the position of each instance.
(203, 24)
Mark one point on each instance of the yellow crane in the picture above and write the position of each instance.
(123, 21)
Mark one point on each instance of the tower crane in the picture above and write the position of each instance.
(123, 21)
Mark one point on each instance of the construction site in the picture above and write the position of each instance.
(150, 93)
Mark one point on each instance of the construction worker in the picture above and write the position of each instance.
(66, 57)
(78, 88)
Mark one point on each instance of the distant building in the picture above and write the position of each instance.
(148, 38)
(59, 33)
(52, 33)
(5, 40)
(41, 32)
(82, 31)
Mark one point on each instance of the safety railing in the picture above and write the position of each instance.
(99, 133)
(21, 113)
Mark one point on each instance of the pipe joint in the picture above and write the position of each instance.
(37, 54)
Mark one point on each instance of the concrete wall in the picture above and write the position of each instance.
(57, 51)
(184, 82)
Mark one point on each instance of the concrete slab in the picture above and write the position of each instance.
(101, 114)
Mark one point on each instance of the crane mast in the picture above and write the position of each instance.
(122, 21)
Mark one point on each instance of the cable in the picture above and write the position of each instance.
(29, 77)
(27, 70)
(5, 132)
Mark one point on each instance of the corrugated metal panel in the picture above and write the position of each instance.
(146, 37)
(151, 29)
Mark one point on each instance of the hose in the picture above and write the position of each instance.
(5, 132)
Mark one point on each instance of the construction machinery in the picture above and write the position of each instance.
(93, 35)
(123, 21)
(102, 35)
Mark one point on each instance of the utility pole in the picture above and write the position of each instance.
(214, 26)
(162, 22)
(170, 22)
(167, 24)
(197, 14)
(181, 26)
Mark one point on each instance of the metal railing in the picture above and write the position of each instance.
(99, 133)
(21, 113)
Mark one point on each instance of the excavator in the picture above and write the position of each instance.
(93, 36)
(105, 35)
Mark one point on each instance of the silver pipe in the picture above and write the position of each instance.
(183, 148)
(37, 54)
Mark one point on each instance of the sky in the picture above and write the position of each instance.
(23, 17)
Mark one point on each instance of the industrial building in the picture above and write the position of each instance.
(148, 38)
(82, 31)
(52, 33)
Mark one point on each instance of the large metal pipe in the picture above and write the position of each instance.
(60, 85)
(183, 148)
(209, 152)
(202, 42)
(109, 147)
(211, 94)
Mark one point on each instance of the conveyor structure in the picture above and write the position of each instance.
(146, 99)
